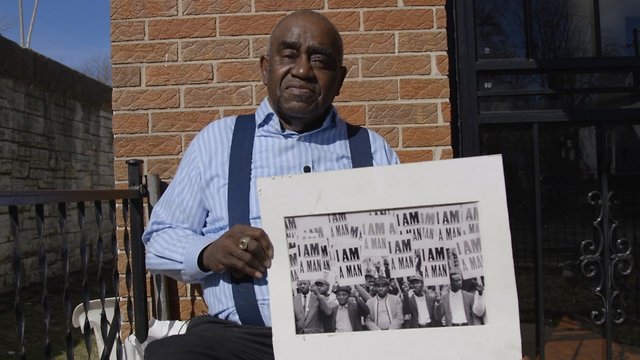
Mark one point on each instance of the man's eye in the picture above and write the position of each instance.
(319, 59)
(289, 54)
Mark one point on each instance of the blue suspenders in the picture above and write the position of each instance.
(240, 156)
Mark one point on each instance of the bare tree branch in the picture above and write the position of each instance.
(97, 67)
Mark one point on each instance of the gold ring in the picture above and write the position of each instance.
(244, 243)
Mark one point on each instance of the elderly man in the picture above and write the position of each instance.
(206, 227)
(385, 310)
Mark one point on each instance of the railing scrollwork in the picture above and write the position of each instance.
(601, 268)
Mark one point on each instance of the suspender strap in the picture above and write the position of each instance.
(360, 146)
(244, 295)
(239, 187)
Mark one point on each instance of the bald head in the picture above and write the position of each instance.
(332, 31)
(303, 70)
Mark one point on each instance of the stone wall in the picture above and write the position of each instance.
(55, 133)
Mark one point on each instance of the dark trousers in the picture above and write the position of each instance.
(210, 338)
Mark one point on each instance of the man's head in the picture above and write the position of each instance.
(456, 281)
(417, 284)
(342, 294)
(381, 286)
(323, 286)
(303, 286)
(303, 69)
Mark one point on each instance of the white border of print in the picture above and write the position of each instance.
(462, 180)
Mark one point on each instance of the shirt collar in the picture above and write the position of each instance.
(267, 120)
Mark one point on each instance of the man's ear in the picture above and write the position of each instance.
(264, 68)
(342, 73)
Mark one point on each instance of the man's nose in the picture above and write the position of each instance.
(302, 68)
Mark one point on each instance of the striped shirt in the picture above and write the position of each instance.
(193, 210)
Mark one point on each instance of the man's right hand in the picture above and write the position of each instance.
(225, 253)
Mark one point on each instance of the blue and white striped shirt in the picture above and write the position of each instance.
(193, 210)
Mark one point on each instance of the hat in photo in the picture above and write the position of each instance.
(343, 288)
(381, 280)
(416, 278)
(321, 281)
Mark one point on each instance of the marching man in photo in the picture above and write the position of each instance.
(347, 316)
(385, 310)
(461, 307)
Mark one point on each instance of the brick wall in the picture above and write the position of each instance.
(180, 64)
(55, 133)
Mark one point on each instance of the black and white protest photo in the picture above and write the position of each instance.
(386, 269)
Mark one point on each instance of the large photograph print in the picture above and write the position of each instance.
(387, 269)
(412, 259)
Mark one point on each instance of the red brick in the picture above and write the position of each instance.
(193, 27)
(409, 156)
(259, 46)
(145, 99)
(260, 92)
(179, 121)
(248, 24)
(234, 71)
(446, 111)
(446, 153)
(344, 20)
(287, 5)
(148, 145)
(217, 96)
(125, 76)
(215, 49)
(120, 173)
(144, 53)
(369, 43)
(127, 9)
(426, 136)
(178, 74)
(127, 30)
(353, 67)
(424, 2)
(442, 63)
(373, 66)
(412, 19)
(353, 114)
(187, 139)
(441, 18)
(342, 4)
(390, 134)
(130, 123)
(399, 114)
(164, 167)
(199, 7)
(237, 111)
(424, 88)
(422, 41)
(191, 308)
(368, 90)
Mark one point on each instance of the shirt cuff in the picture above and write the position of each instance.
(191, 268)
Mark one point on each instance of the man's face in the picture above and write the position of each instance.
(456, 282)
(322, 288)
(303, 71)
(342, 297)
(417, 286)
(382, 290)
(303, 286)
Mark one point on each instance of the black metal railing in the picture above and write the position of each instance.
(51, 212)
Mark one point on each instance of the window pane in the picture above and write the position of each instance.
(563, 28)
(620, 25)
(499, 29)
